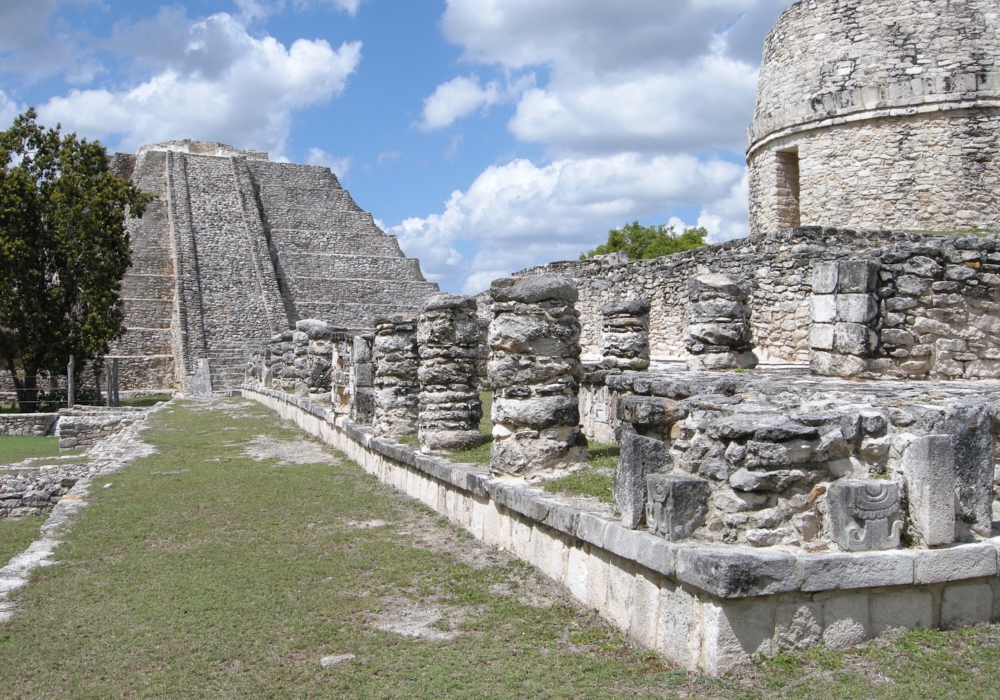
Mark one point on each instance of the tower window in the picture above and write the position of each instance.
(788, 188)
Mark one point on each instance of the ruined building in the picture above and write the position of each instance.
(878, 114)
(236, 249)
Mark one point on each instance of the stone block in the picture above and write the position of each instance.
(821, 336)
(718, 286)
(648, 411)
(734, 572)
(645, 608)
(797, 626)
(854, 339)
(828, 364)
(856, 276)
(639, 456)
(824, 308)
(856, 308)
(846, 620)
(656, 554)
(824, 278)
(902, 609)
(864, 514)
(825, 572)
(734, 632)
(929, 468)
(362, 350)
(965, 604)
(679, 633)
(955, 563)
(676, 504)
(970, 430)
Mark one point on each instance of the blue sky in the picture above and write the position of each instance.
(488, 135)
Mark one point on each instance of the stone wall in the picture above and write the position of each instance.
(27, 423)
(889, 112)
(82, 426)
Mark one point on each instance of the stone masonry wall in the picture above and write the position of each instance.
(27, 423)
(893, 112)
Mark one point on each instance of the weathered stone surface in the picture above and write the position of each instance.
(639, 456)
(534, 365)
(676, 504)
(718, 335)
(823, 572)
(625, 335)
(864, 514)
(736, 573)
(397, 386)
(972, 438)
(955, 563)
(649, 411)
(929, 468)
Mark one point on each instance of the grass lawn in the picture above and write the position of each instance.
(16, 535)
(16, 448)
(146, 401)
(228, 564)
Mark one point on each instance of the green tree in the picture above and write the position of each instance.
(642, 242)
(64, 250)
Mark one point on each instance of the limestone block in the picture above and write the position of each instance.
(645, 608)
(833, 365)
(733, 572)
(711, 361)
(863, 514)
(639, 456)
(955, 563)
(902, 609)
(846, 620)
(733, 334)
(734, 632)
(965, 604)
(797, 626)
(854, 339)
(824, 308)
(679, 633)
(676, 504)
(929, 468)
(718, 286)
(970, 430)
(856, 276)
(824, 278)
(856, 308)
(776, 480)
(824, 572)
(645, 412)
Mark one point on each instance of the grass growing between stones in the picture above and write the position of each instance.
(205, 572)
(480, 454)
(595, 479)
(16, 448)
(16, 535)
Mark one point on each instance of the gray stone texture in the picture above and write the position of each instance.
(929, 470)
(448, 345)
(534, 369)
(844, 320)
(625, 335)
(676, 504)
(639, 457)
(718, 334)
(851, 126)
(397, 388)
(864, 514)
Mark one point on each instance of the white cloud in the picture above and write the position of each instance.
(387, 157)
(339, 166)
(458, 98)
(8, 111)
(27, 44)
(214, 82)
(521, 214)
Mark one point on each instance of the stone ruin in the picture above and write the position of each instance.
(718, 332)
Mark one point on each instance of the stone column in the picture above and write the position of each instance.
(363, 380)
(534, 369)
(625, 335)
(314, 367)
(842, 334)
(283, 362)
(718, 332)
(448, 345)
(397, 389)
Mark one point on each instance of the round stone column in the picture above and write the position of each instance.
(534, 369)
(448, 345)
(397, 389)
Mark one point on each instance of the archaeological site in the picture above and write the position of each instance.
(808, 418)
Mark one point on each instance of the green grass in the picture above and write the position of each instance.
(481, 453)
(232, 578)
(146, 401)
(16, 535)
(16, 448)
(595, 479)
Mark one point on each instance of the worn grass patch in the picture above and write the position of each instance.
(480, 454)
(146, 401)
(16, 448)
(203, 572)
(595, 479)
(16, 535)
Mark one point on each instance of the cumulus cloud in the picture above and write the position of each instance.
(8, 110)
(458, 98)
(27, 45)
(339, 166)
(213, 81)
(522, 214)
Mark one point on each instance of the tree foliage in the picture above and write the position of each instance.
(64, 250)
(642, 242)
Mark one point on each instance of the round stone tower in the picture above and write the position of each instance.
(878, 114)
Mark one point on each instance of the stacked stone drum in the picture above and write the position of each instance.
(718, 332)
(625, 335)
(534, 369)
(397, 389)
(448, 342)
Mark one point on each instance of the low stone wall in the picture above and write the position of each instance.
(27, 423)
(82, 426)
(703, 607)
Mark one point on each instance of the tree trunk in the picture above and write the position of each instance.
(27, 389)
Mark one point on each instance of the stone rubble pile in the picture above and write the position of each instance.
(28, 491)
(717, 335)
(397, 388)
(534, 369)
(448, 343)
(625, 335)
